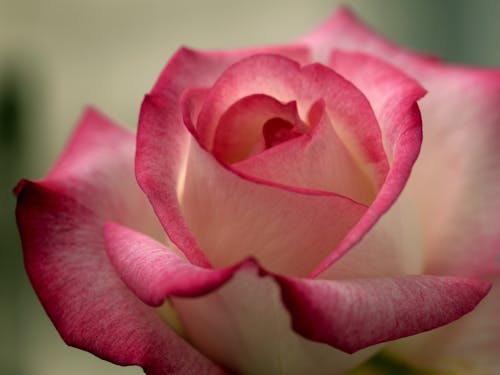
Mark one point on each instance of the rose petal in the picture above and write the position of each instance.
(272, 75)
(343, 31)
(453, 347)
(243, 306)
(461, 112)
(456, 178)
(461, 161)
(160, 168)
(254, 333)
(60, 221)
(377, 310)
(241, 127)
(191, 101)
(387, 248)
(168, 274)
(286, 81)
(317, 161)
(225, 212)
(204, 67)
(239, 304)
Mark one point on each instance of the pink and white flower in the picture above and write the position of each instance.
(285, 215)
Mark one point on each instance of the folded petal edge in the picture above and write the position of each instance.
(346, 314)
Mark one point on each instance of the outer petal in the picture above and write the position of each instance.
(462, 118)
(456, 178)
(461, 115)
(445, 349)
(167, 274)
(343, 31)
(162, 143)
(60, 220)
(233, 315)
(254, 333)
(252, 324)
(378, 310)
(393, 97)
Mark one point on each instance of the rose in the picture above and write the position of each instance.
(264, 168)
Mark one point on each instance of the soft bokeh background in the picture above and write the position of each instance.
(56, 56)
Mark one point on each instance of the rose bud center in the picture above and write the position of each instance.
(277, 130)
(253, 124)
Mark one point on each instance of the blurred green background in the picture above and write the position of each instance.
(56, 56)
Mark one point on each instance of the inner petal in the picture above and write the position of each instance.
(314, 160)
(277, 130)
(252, 124)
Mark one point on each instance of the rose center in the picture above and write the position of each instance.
(254, 124)
(277, 130)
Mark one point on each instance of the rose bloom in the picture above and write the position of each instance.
(282, 210)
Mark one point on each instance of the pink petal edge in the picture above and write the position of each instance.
(60, 222)
(346, 314)
(159, 168)
(460, 209)
(212, 184)
(393, 97)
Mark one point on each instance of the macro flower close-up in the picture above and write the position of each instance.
(304, 208)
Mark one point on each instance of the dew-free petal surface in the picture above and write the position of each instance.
(250, 309)
(163, 142)
(455, 180)
(61, 219)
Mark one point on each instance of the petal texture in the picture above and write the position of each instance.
(240, 132)
(61, 223)
(343, 31)
(318, 160)
(234, 315)
(153, 271)
(225, 212)
(243, 305)
(455, 180)
(284, 80)
(385, 249)
(446, 350)
(160, 168)
(377, 310)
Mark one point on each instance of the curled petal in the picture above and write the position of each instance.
(343, 31)
(316, 161)
(477, 352)
(284, 80)
(348, 314)
(393, 96)
(168, 274)
(61, 220)
(224, 211)
(160, 169)
(455, 180)
(377, 310)
(241, 127)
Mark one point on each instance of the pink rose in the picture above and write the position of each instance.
(289, 214)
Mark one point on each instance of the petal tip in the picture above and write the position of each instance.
(17, 190)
